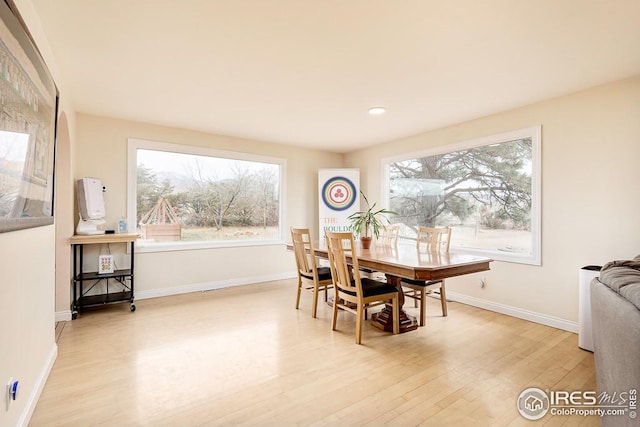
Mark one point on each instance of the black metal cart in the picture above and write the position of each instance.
(84, 282)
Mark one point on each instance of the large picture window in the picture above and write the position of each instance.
(487, 190)
(183, 197)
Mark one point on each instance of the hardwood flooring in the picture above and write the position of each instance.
(59, 328)
(246, 356)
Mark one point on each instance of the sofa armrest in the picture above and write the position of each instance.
(616, 339)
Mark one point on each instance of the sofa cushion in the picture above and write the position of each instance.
(623, 277)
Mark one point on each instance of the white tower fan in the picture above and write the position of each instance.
(90, 205)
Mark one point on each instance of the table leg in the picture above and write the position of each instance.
(384, 319)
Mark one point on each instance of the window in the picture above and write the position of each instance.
(487, 190)
(183, 197)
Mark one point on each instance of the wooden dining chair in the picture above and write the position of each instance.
(389, 235)
(311, 277)
(387, 241)
(351, 289)
(431, 240)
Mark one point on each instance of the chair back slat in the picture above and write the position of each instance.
(389, 236)
(433, 239)
(341, 248)
(303, 250)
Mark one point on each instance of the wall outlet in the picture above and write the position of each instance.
(11, 391)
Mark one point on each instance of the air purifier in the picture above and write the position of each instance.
(90, 205)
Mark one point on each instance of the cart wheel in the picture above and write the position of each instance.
(74, 315)
(132, 307)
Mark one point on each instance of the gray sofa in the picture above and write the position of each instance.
(615, 311)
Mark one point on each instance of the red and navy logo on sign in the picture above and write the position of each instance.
(339, 193)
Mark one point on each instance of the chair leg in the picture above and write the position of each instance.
(299, 291)
(443, 300)
(314, 309)
(415, 300)
(359, 321)
(334, 319)
(423, 306)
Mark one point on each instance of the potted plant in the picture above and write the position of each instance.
(367, 224)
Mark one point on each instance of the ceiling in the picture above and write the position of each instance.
(304, 72)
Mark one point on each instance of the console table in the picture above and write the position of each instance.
(124, 277)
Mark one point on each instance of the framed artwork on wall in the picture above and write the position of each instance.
(28, 115)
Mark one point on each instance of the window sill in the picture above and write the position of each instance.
(145, 246)
(498, 255)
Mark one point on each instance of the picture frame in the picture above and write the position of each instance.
(105, 264)
(28, 117)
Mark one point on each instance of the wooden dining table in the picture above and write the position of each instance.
(405, 261)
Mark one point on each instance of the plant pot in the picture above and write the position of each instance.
(366, 242)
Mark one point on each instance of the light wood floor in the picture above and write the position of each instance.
(246, 356)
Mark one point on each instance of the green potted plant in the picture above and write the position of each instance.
(367, 224)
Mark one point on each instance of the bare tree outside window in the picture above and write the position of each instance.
(210, 198)
(485, 193)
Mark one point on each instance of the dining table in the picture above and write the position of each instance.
(405, 260)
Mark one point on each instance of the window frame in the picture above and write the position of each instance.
(535, 133)
(133, 144)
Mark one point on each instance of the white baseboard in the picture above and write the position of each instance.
(209, 286)
(532, 316)
(25, 417)
(543, 319)
(62, 316)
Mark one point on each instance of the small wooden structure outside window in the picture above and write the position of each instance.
(161, 223)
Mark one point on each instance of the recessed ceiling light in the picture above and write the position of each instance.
(376, 111)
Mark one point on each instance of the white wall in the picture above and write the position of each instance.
(27, 284)
(102, 152)
(590, 203)
(26, 315)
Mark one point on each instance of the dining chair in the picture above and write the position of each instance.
(351, 289)
(389, 235)
(387, 241)
(435, 241)
(311, 277)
